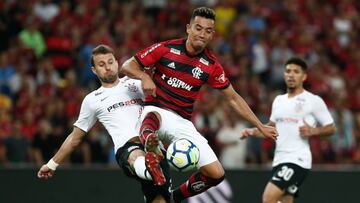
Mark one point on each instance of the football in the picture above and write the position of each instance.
(182, 155)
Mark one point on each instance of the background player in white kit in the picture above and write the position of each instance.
(117, 105)
(296, 116)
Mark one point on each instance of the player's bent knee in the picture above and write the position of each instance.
(134, 155)
(213, 170)
(219, 174)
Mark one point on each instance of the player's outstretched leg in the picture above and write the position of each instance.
(150, 139)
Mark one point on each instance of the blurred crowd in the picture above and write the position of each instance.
(45, 70)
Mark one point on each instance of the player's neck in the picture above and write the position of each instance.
(191, 50)
(292, 92)
(109, 85)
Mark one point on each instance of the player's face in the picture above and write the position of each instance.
(294, 76)
(106, 67)
(200, 32)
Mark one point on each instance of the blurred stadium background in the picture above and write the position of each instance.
(45, 72)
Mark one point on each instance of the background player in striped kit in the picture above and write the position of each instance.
(182, 67)
(116, 104)
(296, 116)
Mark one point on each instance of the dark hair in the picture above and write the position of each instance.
(203, 12)
(101, 49)
(297, 61)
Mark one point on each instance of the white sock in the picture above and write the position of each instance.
(140, 168)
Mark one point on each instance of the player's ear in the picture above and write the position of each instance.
(188, 27)
(93, 70)
(304, 77)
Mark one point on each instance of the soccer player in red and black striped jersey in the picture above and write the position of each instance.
(182, 66)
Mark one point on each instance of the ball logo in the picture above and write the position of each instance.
(197, 72)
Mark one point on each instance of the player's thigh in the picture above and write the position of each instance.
(126, 155)
(208, 159)
(272, 193)
(288, 177)
(173, 126)
(166, 118)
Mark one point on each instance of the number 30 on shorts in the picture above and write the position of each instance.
(286, 173)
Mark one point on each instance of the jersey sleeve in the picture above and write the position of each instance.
(321, 112)
(86, 117)
(150, 55)
(272, 116)
(218, 79)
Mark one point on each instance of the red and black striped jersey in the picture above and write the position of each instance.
(179, 76)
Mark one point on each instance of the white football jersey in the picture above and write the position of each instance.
(117, 108)
(288, 115)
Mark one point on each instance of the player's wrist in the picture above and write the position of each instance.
(142, 76)
(51, 164)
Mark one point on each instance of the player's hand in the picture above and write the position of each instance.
(45, 172)
(247, 132)
(306, 130)
(148, 85)
(269, 132)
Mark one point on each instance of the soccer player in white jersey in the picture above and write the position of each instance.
(297, 116)
(117, 105)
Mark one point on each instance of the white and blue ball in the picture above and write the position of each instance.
(182, 155)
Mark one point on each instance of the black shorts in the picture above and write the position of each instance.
(289, 177)
(148, 188)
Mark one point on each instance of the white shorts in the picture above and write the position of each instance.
(174, 127)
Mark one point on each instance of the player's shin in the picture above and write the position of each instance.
(140, 168)
(196, 184)
(148, 134)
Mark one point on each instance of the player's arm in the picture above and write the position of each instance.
(307, 131)
(254, 132)
(71, 142)
(134, 70)
(243, 109)
(322, 115)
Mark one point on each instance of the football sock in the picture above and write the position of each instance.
(149, 125)
(140, 168)
(196, 184)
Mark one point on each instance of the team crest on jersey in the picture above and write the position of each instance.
(197, 72)
(132, 87)
(299, 107)
(203, 61)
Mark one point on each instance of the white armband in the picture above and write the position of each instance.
(52, 164)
